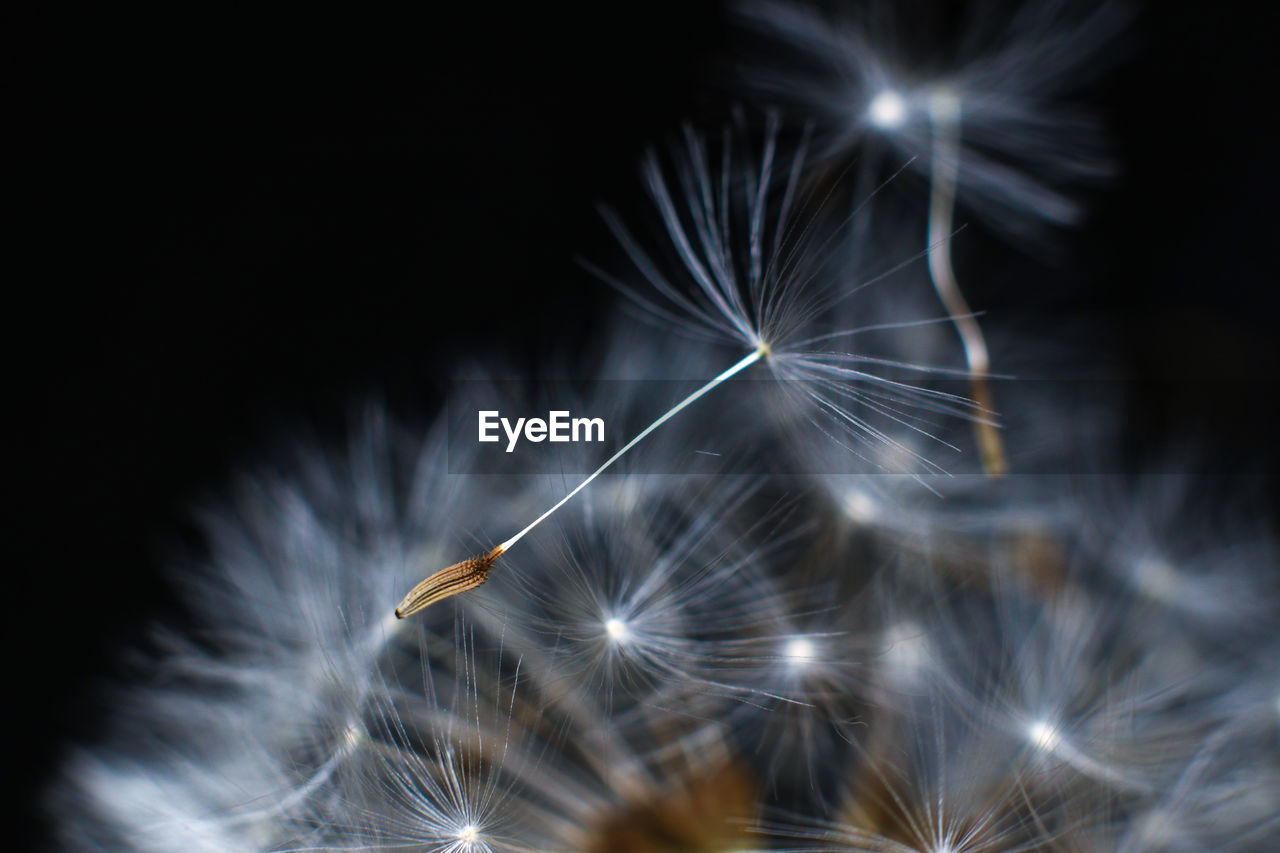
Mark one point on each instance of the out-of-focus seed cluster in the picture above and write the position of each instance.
(836, 643)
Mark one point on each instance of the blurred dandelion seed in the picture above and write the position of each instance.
(944, 118)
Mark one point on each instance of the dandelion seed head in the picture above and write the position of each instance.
(756, 267)
(887, 110)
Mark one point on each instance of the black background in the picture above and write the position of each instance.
(232, 230)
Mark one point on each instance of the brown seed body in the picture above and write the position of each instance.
(447, 582)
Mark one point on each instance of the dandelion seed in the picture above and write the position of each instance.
(449, 581)
(944, 116)
(766, 296)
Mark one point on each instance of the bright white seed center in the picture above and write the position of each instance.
(1044, 736)
(799, 651)
(616, 629)
(887, 110)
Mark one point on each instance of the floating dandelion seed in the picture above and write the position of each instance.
(766, 295)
